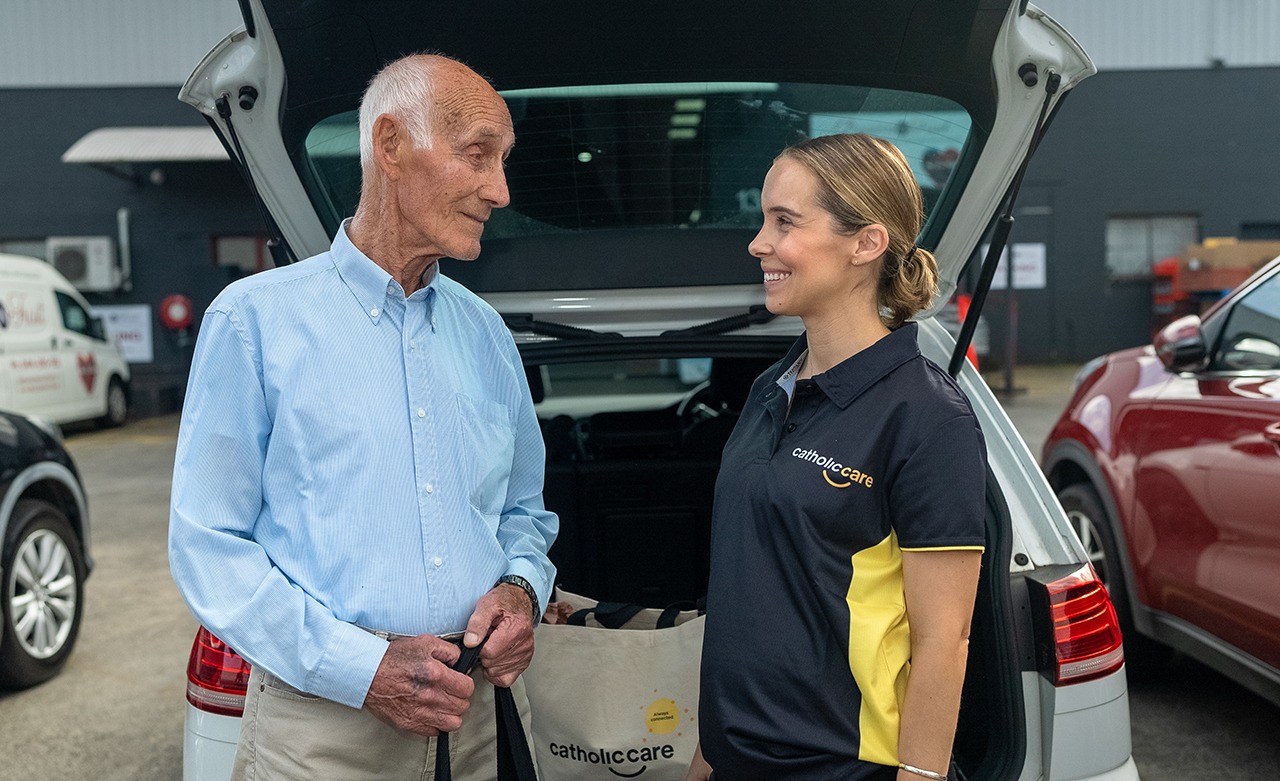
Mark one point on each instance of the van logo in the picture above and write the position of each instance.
(88, 370)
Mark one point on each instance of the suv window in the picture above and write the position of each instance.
(1251, 338)
(668, 155)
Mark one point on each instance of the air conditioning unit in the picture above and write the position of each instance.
(88, 262)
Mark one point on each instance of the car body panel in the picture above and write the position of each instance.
(208, 745)
(1188, 467)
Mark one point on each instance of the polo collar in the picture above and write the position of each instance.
(847, 380)
(370, 283)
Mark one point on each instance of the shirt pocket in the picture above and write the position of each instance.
(487, 446)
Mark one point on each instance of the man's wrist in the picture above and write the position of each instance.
(527, 587)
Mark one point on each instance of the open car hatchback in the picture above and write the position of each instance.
(643, 136)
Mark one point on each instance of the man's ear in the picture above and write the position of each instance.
(388, 145)
(869, 244)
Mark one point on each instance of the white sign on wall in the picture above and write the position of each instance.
(130, 328)
(1029, 267)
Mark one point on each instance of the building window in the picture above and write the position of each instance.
(246, 254)
(1135, 243)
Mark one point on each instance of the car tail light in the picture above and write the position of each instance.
(217, 677)
(1077, 633)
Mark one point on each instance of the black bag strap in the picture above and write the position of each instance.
(515, 763)
(667, 618)
(611, 615)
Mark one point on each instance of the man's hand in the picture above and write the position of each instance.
(505, 615)
(415, 689)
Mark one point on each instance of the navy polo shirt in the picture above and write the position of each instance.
(807, 647)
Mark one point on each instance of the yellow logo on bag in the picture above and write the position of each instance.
(662, 716)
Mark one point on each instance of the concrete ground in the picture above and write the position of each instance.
(1033, 396)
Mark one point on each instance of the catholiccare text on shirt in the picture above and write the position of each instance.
(352, 457)
(807, 642)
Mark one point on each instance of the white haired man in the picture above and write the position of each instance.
(357, 488)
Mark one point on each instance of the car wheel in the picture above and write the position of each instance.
(1143, 656)
(117, 404)
(42, 594)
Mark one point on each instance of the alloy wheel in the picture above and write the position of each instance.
(42, 594)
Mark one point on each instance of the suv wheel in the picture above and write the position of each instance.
(42, 594)
(1143, 656)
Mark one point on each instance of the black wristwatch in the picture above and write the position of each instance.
(527, 587)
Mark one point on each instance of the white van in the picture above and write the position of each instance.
(55, 359)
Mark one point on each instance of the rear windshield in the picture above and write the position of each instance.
(689, 156)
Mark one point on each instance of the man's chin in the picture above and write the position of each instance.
(466, 252)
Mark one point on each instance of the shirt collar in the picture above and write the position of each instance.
(369, 282)
(847, 380)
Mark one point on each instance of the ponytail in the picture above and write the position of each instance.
(908, 284)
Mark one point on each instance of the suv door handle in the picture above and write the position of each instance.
(1272, 434)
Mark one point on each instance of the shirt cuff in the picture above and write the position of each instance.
(537, 577)
(347, 668)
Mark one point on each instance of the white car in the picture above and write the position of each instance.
(644, 133)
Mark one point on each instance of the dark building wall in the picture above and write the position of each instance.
(1199, 142)
(172, 224)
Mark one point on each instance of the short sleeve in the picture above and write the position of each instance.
(938, 498)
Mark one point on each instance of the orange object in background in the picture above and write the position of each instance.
(962, 309)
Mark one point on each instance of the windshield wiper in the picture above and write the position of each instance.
(525, 322)
(755, 315)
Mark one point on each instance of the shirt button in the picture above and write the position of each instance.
(412, 344)
(422, 413)
(430, 487)
(437, 561)
(791, 427)
(374, 311)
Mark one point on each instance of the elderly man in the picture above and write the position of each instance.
(357, 488)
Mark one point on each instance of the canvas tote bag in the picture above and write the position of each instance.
(615, 702)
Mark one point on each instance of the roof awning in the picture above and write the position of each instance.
(123, 145)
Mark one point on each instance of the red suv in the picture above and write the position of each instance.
(1167, 461)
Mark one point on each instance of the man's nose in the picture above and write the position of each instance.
(495, 191)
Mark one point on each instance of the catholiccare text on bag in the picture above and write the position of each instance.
(615, 702)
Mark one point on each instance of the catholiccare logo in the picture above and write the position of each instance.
(835, 473)
(661, 717)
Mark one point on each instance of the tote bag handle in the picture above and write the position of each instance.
(515, 763)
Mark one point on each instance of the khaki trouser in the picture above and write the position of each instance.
(288, 734)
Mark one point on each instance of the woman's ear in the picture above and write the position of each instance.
(869, 244)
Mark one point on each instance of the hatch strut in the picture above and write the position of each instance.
(1004, 224)
(281, 253)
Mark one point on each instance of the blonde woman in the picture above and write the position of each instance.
(848, 524)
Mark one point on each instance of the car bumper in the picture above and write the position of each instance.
(208, 745)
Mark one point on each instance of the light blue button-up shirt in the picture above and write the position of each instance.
(351, 458)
